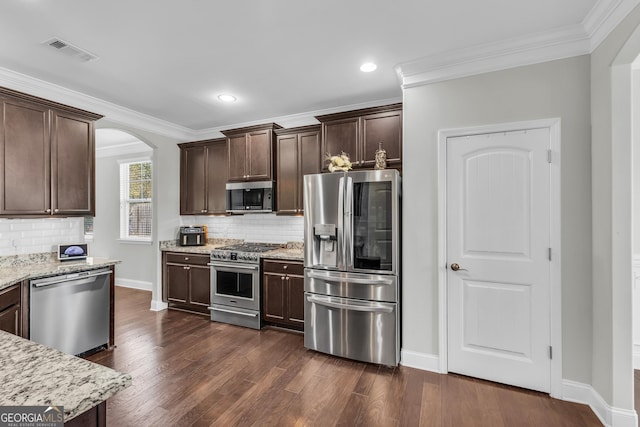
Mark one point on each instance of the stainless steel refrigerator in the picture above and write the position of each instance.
(352, 264)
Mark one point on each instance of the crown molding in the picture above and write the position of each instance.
(114, 112)
(117, 114)
(580, 39)
(293, 120)
(564, 43)
(604, 17)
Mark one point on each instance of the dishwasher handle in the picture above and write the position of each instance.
(55, 280)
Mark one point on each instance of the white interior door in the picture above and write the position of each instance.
(498, 221)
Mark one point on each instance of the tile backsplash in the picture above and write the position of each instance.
(267, 228)
(25, 236)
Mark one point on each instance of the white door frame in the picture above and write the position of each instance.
(555, 291)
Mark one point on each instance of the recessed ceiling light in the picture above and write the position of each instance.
(226, 98)
(368, 67)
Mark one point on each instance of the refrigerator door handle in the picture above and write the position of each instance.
(351, 306)
(340, 261)
(348, 225)
(327, 277)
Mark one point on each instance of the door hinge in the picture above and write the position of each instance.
(549, 254)
(549, 156)
(550, 352)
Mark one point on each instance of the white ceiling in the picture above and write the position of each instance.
(169, 59)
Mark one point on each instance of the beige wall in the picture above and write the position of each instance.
(549, 90)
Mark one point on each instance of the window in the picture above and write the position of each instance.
(135, 200)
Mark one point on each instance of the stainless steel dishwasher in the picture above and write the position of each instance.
(71, 312)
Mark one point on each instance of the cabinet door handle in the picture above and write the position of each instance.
(284, 267)
(56, 210)
(16, 324)
(203, 210)
(186, 258)
(281, 277)
(48, 210)
(186, 268)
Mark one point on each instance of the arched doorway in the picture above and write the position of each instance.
(114, 149)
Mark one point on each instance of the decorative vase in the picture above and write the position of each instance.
(381, 157)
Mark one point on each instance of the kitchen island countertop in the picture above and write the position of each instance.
(10, 275)
(33, 374)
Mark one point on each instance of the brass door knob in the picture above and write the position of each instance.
(455, 266)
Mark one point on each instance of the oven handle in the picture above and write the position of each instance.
(235, 266)
(369, 307)
(233, 312)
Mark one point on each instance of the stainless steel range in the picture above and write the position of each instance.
(235, 284)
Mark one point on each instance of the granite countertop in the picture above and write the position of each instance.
(33, 374)
(11, 274)
(290, 251)
(206, 249)
(294, 254)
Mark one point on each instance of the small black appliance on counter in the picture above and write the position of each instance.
(192, 235)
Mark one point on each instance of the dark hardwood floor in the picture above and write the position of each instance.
(189, 371)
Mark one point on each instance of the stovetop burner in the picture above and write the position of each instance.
(243, 252)
(250, 247)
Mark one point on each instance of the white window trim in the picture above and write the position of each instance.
(124, 238)
(132, 241)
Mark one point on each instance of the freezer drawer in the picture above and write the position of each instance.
(362, 330)
(373, 287)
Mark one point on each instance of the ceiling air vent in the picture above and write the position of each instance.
(70, 49)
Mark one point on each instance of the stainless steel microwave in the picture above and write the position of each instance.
(250, 197)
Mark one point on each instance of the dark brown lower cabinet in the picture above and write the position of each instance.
(186, 281)
(283, 293)
(10, 319)
(94, 417)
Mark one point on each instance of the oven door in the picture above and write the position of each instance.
(235, 285)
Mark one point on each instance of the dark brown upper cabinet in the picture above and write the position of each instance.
(203, 175)
(250, 153)
(47, 157)
(298, 154)
(360, 132)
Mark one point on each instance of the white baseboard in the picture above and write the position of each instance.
(426, 362)
(158, 305)
(609, 416)
(134, 284)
